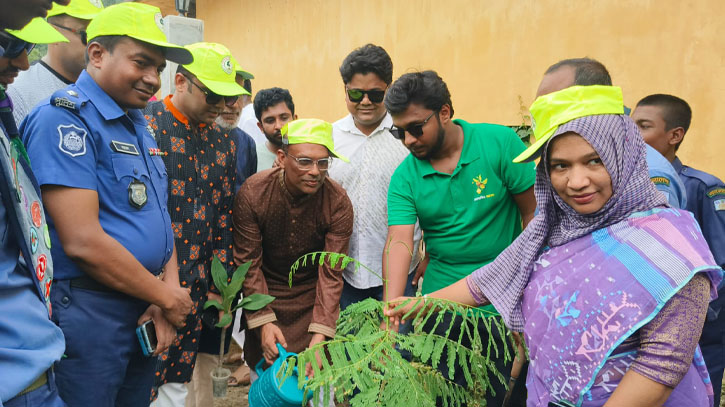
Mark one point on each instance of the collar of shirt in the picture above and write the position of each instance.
(467, 156)
(348, 124)
(177, 113)
(106, 106)
(677, 165)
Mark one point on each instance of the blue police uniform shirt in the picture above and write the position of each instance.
(665, 178)
(246, 156)
(29, 341)
(80, 138)
(706, 200)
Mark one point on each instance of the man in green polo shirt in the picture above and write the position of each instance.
(461, 185)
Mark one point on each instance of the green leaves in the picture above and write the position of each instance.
(229, 291)
(338, 261)
(255, 302)
(366, 368)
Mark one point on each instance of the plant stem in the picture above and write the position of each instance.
(221, 347)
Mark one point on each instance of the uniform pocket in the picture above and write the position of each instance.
(133, 184)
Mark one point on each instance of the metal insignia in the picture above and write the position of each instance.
(137, 196)
(73, 93)
(64, 102)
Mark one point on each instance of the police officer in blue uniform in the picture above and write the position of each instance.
(29, 341)
(663, 121)
(105, 192)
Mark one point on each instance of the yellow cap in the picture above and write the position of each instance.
(38, 31)
(82, 9)
(550, 111)
(312, 131)
(214, 66)
(139, 21)
(241, 72)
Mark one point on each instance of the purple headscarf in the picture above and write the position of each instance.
(620, 146)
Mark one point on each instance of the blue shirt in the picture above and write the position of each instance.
(665, 178)
(246, 156)
(706, 200)
(29, 342)
(81, 138)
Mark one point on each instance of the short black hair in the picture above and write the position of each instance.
(587, 71)
(676, 112)
(367, 59)
(425, 88)
(108, 42)
(247, 85)
(267, 98)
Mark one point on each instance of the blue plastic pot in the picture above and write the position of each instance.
(266, 391)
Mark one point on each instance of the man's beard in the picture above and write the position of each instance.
(225, 124)
(436, 147)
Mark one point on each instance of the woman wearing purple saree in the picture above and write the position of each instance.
(608, 283)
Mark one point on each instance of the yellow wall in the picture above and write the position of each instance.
(490, 52)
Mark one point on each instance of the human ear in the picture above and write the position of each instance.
(676, 135)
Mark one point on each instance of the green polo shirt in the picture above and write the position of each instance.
(467, 217)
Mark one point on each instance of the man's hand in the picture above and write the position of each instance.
(214, 296)
(420, 270)
(178, 304)
(316, 338)
(271, 336)
(165, 332)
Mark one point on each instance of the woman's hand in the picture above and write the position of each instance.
(399, 307)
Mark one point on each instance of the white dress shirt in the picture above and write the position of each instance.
(366, 178)
(248, 122)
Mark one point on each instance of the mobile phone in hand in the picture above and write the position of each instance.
(147, 337)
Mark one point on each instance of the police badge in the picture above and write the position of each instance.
(72, 140)
(137, 194)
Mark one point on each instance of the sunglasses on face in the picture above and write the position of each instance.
(415, 130)
(306, 164)
(11, 46)
(81, 33)
(357, 95)
(212, 98)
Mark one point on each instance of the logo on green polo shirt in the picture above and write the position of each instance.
(480, 186)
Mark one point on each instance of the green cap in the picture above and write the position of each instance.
(82, 9)
(214, 66)
(141, 22)
(241, 72)
(38, 31)
(310, 131)
(550, 111)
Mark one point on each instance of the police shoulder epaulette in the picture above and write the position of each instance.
(66, 98)
(708, 179)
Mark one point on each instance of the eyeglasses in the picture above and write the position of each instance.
(415, 130)
(81, 33)
(374, 96)
(212, 98)
(305, 164)
(11, 46)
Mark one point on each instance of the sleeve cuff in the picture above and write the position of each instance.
(256, 322)
(316, 328)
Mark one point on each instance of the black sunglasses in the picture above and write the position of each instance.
(11, 46)
(81, 33)
(212, 98)
(356, 95)
(415, 130)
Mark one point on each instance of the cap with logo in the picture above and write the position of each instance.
(241, 72)
(139, 21)
(310, 131)
(214, 66)
(550, 111)
(38, 31)
(82, 9)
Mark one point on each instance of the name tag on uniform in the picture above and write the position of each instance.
(125, 148)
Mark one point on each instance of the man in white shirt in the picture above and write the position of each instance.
(273, 108)
(248, 121)
(64, 61)
(374, 154)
